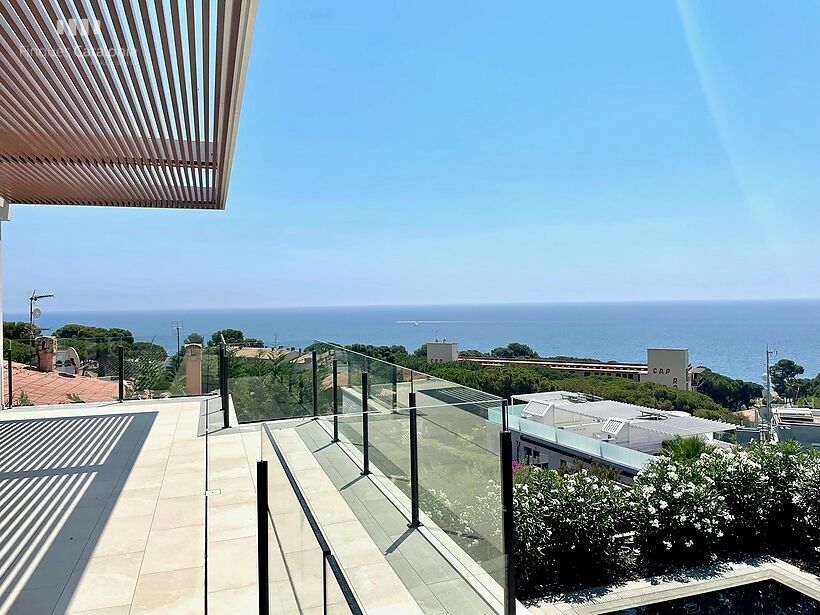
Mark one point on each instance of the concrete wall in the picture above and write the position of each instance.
(442, 352)
(669, 366)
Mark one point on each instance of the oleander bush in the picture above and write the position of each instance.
(677, 514)
(580, 529)
(568, 528)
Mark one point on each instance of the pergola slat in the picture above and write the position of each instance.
(152, 125)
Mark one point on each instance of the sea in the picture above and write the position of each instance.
(729, 337)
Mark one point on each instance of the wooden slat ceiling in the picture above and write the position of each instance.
(130, 103)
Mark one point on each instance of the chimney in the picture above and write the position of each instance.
(46, 349)
(193, 369)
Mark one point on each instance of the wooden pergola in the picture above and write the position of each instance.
(131, 103)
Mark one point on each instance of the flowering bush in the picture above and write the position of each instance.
(567, 528)
(677, 515)
(806, 502)
(738, 477)
(783, 464)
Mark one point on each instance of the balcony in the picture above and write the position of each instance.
(154, 505)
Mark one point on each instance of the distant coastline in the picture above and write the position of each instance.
(728, 336)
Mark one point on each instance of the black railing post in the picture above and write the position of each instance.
(365, 432)
(414, 464)
(262, 535)
(395, 387)
(504, 420)
(335, 402)
(315, 369)
(120, 373)
(223, 385)
(11, 395)
(325, 555)
(508, 523)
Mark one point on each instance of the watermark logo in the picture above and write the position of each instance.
(79, 37)
(78, 27)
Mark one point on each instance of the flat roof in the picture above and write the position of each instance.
(132, 104)
(640, 417)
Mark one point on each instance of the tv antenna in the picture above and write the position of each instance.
(34, 312)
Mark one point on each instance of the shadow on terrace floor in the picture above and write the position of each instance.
(59, 479)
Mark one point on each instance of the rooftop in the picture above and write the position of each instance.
(45, 388)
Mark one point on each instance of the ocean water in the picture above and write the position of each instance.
(729, 337)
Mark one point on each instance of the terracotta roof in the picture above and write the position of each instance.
(45, 388)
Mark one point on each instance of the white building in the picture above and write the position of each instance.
(442, 352)
(556, 428)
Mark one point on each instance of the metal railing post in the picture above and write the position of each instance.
(508, 523)
(315, 369)
(11, 395)
(335, 402)
(395, 387)
(223, 385)
(414, 464)
(262, 535)
(504, 419)
(365, 431)
(121, 373)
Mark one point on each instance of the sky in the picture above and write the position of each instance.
(481, 152)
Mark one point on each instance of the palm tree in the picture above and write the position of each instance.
(684, 449)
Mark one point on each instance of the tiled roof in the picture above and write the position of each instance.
(44, 388)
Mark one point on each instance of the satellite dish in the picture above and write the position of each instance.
(36, 313)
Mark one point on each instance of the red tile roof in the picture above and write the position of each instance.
(45, 388)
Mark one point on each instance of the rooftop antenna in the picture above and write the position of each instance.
(33, 311)
(770, 352)
(177, 324)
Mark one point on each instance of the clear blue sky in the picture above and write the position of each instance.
(455, 152)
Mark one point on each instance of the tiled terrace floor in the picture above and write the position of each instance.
(102, 507)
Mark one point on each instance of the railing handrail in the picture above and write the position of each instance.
(338, 574)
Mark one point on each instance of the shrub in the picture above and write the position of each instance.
(747, 491)
(567, 529)
(783, 464)
(677, 515)
(806, 500)
(684, 449)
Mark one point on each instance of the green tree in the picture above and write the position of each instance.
(232, 336)
(194, 338)
(728, 392)
(514, 350)
(784, 375)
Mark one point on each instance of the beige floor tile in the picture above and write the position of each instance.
(179, 592)
(182, 547)
(282, 600)
(133, 503)
(378, 587)
(143, 478)
(186, 483)
(235, 491)
(293, 533)
(352, 544)
(232, 521)
(236, 600)
(315, 481)
(118, 536)
(179, 512)
(330, 507)
(232, 563)
(101, 582)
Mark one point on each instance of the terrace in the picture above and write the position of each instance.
(156, 505)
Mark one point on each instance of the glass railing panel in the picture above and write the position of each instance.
(270, 384)
(459, 480)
